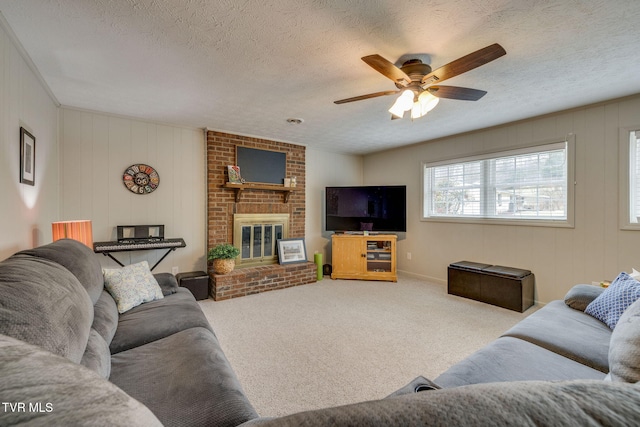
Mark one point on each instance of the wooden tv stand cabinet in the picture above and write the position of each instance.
(372, 257)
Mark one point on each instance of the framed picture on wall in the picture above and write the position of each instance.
(291, 251)
(27, 157)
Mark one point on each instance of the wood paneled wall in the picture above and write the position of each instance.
(97, 148)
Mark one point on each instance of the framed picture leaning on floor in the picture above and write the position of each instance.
(291, 251)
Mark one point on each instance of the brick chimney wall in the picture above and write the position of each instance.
(221, 204)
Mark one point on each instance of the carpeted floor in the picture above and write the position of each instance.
(336, 342)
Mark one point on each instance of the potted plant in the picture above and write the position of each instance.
(223, 257)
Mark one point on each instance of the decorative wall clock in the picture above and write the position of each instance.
(141, 179)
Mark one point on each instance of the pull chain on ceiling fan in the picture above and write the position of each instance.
(415, 81)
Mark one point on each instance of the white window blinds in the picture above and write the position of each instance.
(526, 184)
(634, 176)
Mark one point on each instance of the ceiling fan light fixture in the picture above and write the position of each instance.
(416, 76)
(425, 103)
(416, 111)
(402, 104)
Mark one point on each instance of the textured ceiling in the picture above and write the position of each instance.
(246, 66)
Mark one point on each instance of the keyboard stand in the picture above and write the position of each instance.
(106, 248)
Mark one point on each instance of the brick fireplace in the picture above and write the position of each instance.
(222, 205)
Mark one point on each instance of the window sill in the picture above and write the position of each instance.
(502, 221)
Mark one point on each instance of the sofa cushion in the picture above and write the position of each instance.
(570, 333)
(65, 393)
(105, 316)
(132, 285)
(185, 379)
(624, 352)
(97, 356)
(81, 261)
(42, 303)
(512, 359)
(158, 319)
(580, 296)
(533, 403)
(610, 305)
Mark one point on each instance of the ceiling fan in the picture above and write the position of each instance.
(417, 83)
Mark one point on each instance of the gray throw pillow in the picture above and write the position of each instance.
(580, 296)
(624, 348)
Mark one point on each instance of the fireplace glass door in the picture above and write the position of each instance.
(258, 241)
(256, 237)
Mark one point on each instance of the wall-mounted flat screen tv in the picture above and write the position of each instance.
(381, 208)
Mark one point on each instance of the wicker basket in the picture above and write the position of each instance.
(223, 266)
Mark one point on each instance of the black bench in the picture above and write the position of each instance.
(505, 287)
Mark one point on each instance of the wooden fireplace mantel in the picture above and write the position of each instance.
(239, 188)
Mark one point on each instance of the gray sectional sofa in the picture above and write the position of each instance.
(67, 357)
(556, 342)
(62, 338)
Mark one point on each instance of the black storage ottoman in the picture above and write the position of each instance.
(196, 281)
(464, 279)
(506, 287)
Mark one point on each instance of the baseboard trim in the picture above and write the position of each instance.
(423, 277)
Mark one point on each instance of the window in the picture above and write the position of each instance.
(528, 185)
(633, 150)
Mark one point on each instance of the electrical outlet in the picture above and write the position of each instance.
(408, 255)
(175, 270)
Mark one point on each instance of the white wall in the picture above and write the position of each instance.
(96, 149)
(596, 249)
(26, 212)
(325, 169)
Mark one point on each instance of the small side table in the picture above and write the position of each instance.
(196, 281)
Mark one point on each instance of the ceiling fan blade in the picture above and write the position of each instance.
(464, 64)
(370, 95)
(388, 69)
(454, 92)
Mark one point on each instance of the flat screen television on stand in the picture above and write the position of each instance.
(376, 209)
